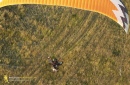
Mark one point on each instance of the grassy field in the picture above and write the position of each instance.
(94, 48)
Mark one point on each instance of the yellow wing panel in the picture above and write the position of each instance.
(93, 5)
(105, 7)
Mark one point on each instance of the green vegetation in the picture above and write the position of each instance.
(94, 48)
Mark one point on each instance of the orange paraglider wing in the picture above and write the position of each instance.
(111, 8)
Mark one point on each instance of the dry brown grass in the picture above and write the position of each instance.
(94, 49)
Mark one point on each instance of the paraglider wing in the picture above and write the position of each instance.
(114, 9)
(121, 14)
